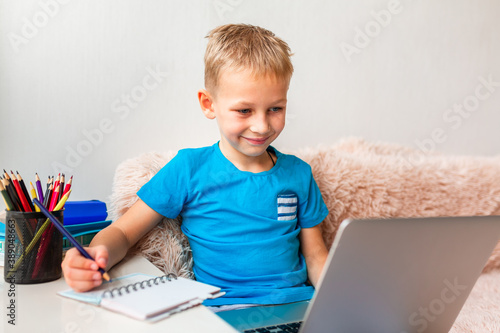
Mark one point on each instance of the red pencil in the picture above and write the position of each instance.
(25, 191)
(58, 179)
(55, 198)
(68, 186)
(20, 194)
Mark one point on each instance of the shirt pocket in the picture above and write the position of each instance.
(287, 206)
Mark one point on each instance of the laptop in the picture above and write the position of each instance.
(387, 275)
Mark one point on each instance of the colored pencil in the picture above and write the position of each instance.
(58, 179)
(6, 197)
(55, 197)
(48, 196)
(25, 191)
(9, 186)
(20, 194)
(68, 185)
(25, 201)
(39, 187)
(54, 200)
(48, 182)
(33, 195)
(61, 187)
(12, 192)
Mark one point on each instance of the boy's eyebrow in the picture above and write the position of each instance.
(243, 102)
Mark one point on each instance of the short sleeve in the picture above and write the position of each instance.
(166, 193)
(313, 210)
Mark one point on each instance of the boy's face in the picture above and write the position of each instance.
(250, 113)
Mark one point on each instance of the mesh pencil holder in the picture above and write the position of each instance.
(33, 248)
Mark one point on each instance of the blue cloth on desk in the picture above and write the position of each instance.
(242, 227)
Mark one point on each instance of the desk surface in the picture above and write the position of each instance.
(39, 309)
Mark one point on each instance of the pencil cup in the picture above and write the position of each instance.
(33, 248)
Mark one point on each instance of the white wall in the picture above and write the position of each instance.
(66, 68)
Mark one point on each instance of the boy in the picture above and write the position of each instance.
(251, 214)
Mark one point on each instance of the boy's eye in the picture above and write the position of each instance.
(276, 109)
(244, 111)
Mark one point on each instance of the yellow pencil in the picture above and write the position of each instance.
(33, 195)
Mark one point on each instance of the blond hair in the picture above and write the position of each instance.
(237, 46)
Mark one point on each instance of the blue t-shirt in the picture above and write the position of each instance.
(242, 227)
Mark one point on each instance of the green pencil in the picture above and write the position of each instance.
(6, 197)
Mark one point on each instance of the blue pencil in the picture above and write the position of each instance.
(66, 233)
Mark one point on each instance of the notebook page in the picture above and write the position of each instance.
(162, 298)
(94, 296)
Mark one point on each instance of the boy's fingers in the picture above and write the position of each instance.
(102, 262)
(75, 274)
(74, 259)
(82, 280)
(101, 256)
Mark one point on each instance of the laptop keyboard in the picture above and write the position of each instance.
(290, 327)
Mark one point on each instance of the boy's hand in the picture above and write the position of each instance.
(82, 274)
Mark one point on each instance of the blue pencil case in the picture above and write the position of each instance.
(79, 212)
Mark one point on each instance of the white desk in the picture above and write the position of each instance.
(39, 309)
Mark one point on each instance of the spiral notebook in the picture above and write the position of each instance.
(146, 297)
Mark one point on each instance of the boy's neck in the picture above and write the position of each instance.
(254, 164)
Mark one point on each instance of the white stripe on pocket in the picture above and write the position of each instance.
(292, 200)
(287, 209)
(286, 218)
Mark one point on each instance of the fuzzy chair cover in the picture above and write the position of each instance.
(357, 179)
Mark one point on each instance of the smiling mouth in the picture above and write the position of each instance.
(256, 141)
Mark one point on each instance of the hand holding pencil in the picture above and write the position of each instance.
(83, 274)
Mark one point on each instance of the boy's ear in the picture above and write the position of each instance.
(206, 103)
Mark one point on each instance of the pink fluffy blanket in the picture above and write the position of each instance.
(358, 179)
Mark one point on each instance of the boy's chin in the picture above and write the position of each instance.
(251, 151)
(255, 151)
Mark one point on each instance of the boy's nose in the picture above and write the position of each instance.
(260, 125)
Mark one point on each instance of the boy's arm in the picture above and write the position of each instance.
(109, 246)
(121, 235)
(314, 250)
